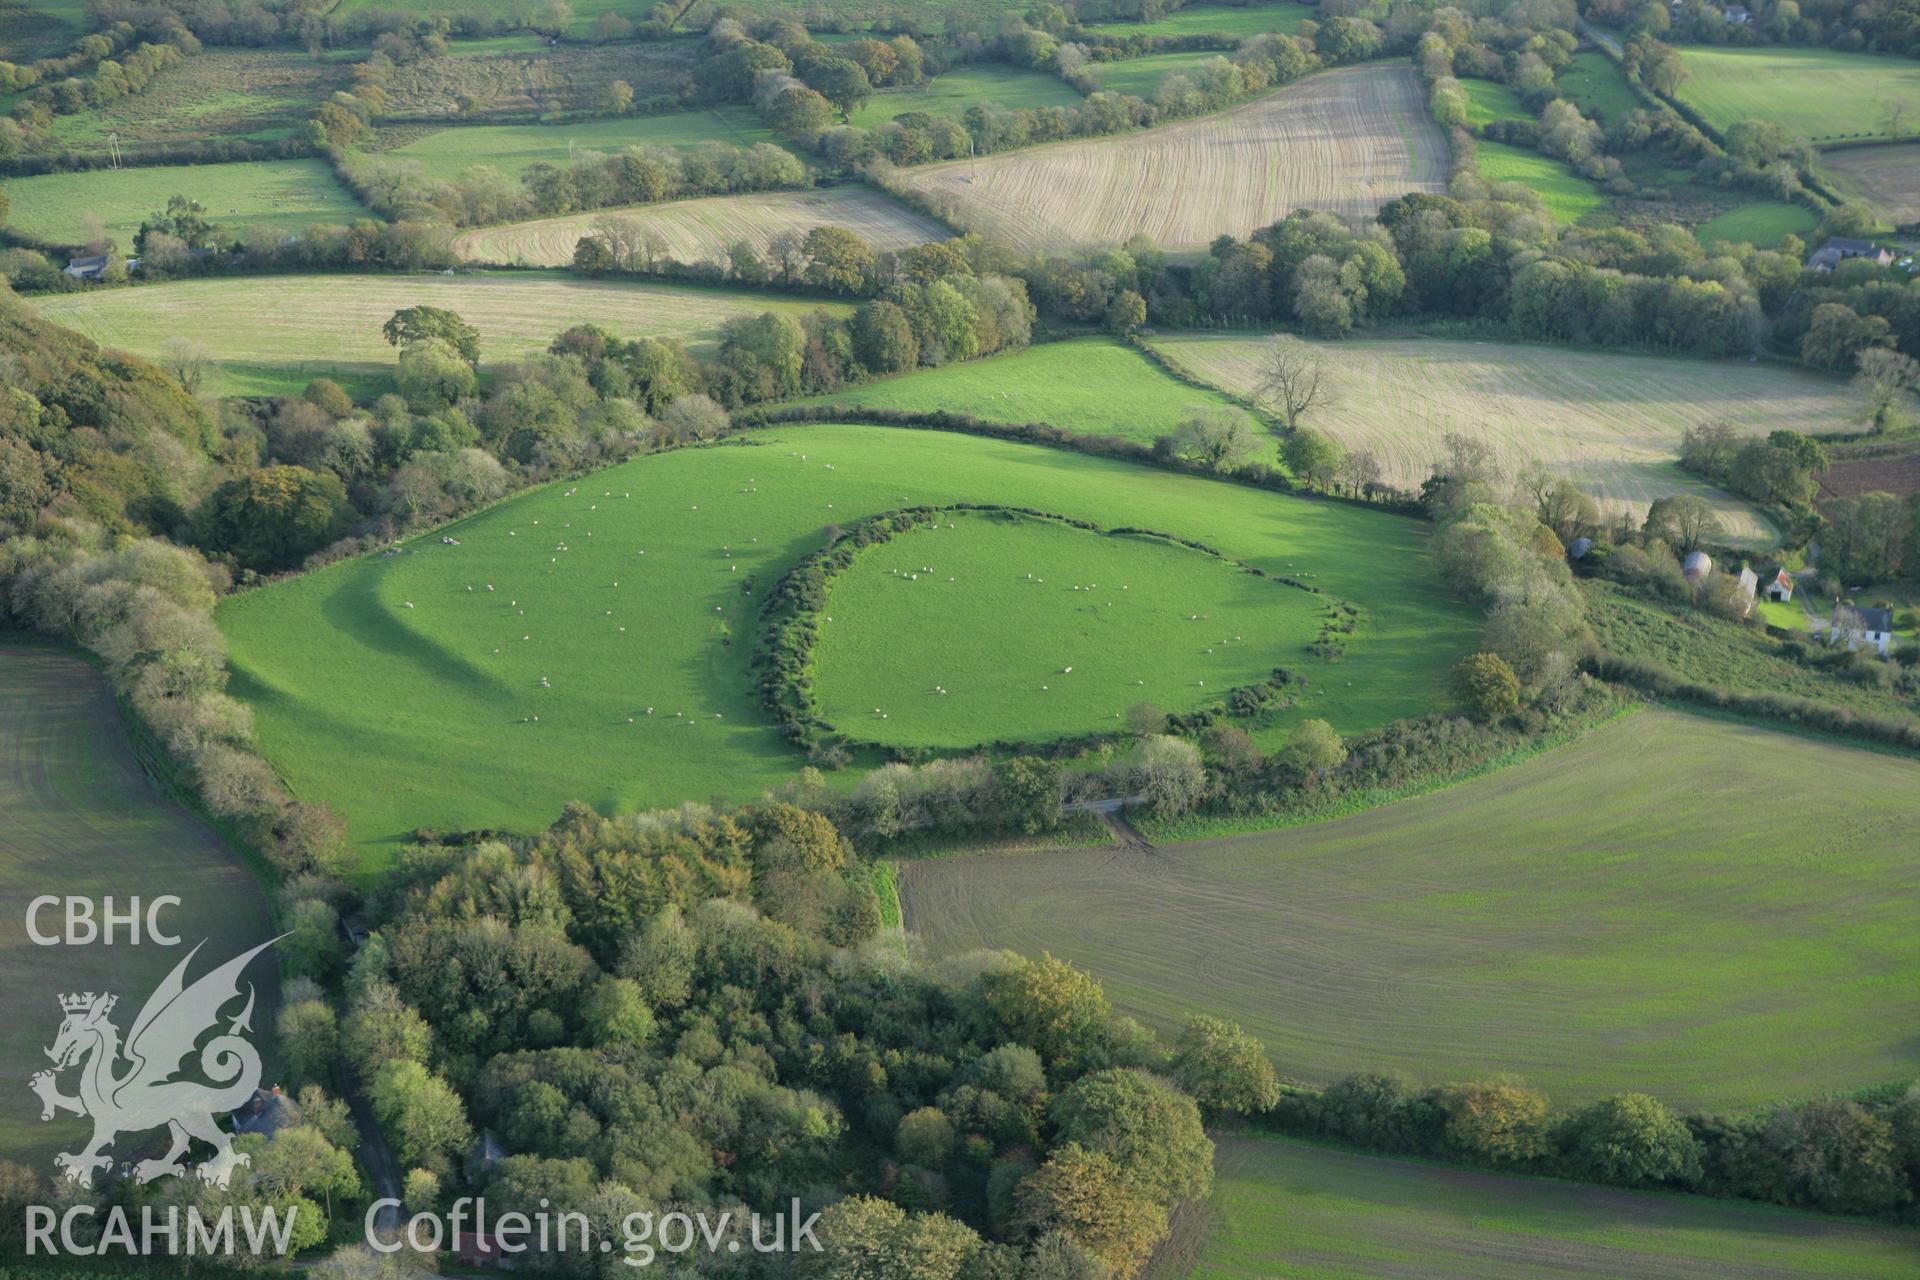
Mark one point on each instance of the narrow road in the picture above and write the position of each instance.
(376, 1155)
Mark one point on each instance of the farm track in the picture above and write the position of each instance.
(1613, 915)
(704, 230)
(1346, 141)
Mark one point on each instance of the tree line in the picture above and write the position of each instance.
(1892, 28)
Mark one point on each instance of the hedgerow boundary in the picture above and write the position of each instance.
(1257, 475)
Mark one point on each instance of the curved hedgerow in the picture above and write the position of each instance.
(791, 614)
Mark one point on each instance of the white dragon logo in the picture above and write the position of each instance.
(145, 1095)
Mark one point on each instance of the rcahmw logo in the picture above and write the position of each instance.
(129, 1086)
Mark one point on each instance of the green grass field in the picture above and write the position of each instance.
(1091, 386)
(1568, 197)
(1141, 77)
(1218, 19)
(1716, 914)
(952, 92)
(288, 194)
(401, 716)
(83, 818)
(1103, 623)
(584, 11)
(511, 148)
(1813, 93)
(276, 333)
(1765, 223)
(1489, 100)
(1288, 1210)
(1595, 84)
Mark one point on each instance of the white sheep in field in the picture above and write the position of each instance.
(409, 604)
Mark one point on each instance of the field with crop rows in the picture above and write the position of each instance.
(285, 194)
(1888, 178)
(437, 701)
(1346, 141)
(1567, 196)
(1610, 423)
(511, 148)
(703, 230)
(1819, 94)
(83, 818)
(280, 331)
(952, 92)
(1090, 386)
(216, 93)
(1288, 1210)
(1616, 914)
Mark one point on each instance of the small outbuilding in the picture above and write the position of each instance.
(1780, 590)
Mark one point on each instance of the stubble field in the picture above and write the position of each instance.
(1623, 913)
(1346, 141)
(704, 230)
(1610, 423)
(1886, 177)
